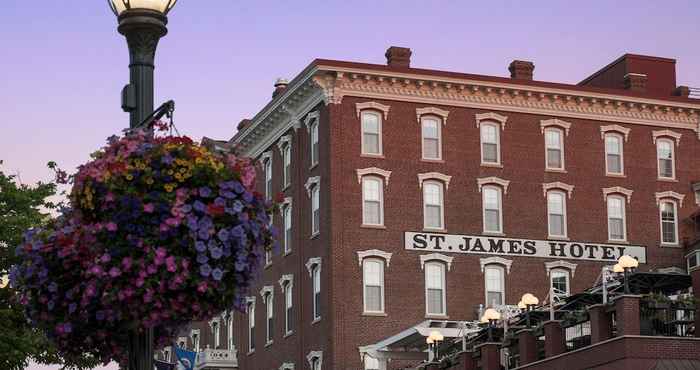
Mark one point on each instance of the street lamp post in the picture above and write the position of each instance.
(627, 263)
(490, 316)
(529, 301)
(143, 23)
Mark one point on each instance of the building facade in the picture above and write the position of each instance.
(418, 196)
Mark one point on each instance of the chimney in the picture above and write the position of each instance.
(683, 91)
(280, 86)
(243, 124)
(398, 57)
(636, 82)
(521, 70)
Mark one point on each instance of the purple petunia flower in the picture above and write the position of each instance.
(200, 246)
(205, 192)
(114, 272)
(199, 206)
(219, 201)
(227, 194)
(203, 234)
(217, 274)
(223, 235)
(53, 287)
(237, 187)
(100, 315)
(72, 307)
(205, 270)
(186, 208)
(167, 159)
(216, 253)
(202, 258)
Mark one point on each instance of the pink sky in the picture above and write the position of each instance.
(64, 64)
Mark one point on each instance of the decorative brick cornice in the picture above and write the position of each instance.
(618, 190)
(666, 133)
(359, 107)
(373, 171)
(614, 128)
(422, 177)
(386, 256)
(436, 257)
(491, 117)
(432, 111)
(669, 194)
(493, 180)
(555, 122)
(557, 185)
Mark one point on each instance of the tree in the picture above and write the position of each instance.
(23, 207)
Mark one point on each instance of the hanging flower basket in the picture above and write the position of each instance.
(160, 232)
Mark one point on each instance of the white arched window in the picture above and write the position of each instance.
(269, 317)
(287, 290)
(492, 209)
(666, 158)
(371, 132)
(373, 281)
(216, 332)
(251, 326)
(554, 148)
(490, 143)
(556, 213)
(494, 285)
(372, 201)
(287, 218)
(433, 205)
(287, 162)
(668, 216)
(316, 285)
(268, 177)
(614, 160)
(435, 301)
(229, 331)
(561, 282)
(617, 225)
(431, 137)
(315, 210)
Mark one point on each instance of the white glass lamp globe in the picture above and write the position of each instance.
(627, 262)
(490, 314)
(529, 299)
(161, 6)
(617, 268)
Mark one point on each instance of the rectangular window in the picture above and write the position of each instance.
(490, 153)
(373, 277)
(315, 211)
(314, 143)
(288, 308)
(229, 330)
(435, 288)
(217, 335)
(430, 127)
(433, 205)
(613, 154)
(616, 218)
(495, 290)
(556, 214)
(664, 151)
(251, 327)
(669, 223)
(269, 316)
(372, 206)
(287, 162)
(554, 142)
(316, 277)
(315, 363)
(492, 209)
(560, 282)
(268, 178)
(371, 133)
(287, 214)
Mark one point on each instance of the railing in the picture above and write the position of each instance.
(666, 318)
(217, 358)
(577, 332)
(694, 92)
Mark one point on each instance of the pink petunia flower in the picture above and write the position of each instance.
(148, 207)
(111, 226)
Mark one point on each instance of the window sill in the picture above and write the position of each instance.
(288, 334)
(378, 227)
(268, 344)
(666, 179)
(315, 235)
(492, 165)
(286, 253)
(375, 314)
(613, 241)
(432, 160)
(434, 230)
(436, 317)
(375, 156)
(669, 245)
(313, 166)
(286, 187)
(250, 352)
(563, 238)
(316, 320)
(618, 175)
(268, 265)
(493, 233)
(555, 170)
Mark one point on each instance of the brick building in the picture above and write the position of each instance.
(415, 198)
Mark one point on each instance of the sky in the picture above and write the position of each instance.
(63, 65)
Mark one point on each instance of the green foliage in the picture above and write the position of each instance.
(22, 207)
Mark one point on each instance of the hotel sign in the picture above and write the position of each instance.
(448, 243)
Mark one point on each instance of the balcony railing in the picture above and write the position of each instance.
(217, 359)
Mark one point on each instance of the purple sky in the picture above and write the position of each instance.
(64, 64)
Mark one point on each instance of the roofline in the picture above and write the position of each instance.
(620, 59)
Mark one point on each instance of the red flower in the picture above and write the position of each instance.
(215, 210)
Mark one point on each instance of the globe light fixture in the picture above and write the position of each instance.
(521, 305)
(161, 6)
(627, 263)
(529, 301)
(490, 316)
(433, 341)
(618, 268)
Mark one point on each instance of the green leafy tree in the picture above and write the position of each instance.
(23, 207)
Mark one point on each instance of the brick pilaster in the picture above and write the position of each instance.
(627, 314)
(695, 275)
(527, 346)
(601, 323)
(554, 338)
(490, 356)
(466, 361)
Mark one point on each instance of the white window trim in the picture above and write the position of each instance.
(483, 262)
(568, 279)
(287, 366)
(266, 159)
(312, 121)
(361, 172)
(673, 158)
(381, 200)
(284, 141)
(311, 182)
(371, 105)
(425, 258)
(286, 282)
(614, 128)
(379, 133)
(315, 355)
(618, 190)
(374, 253)
(657, 134)
(669, 194)
(195, 344)
(287, 205)
(423, 177)
(486, 291)
(442, 263)
(166, 352)
(481, 182)
(622, 154)
(555, 122)
(560, 265)
(314, 261)
(562, 150)
(364, 285)
(498, 144)
(568, 189)
(624, 217)
(217, 336)
(565, 214)
(443, 122)
(492, 117)
(499, 191)
(442, 207)
(314, 184)
(696, 255)
(432, 111)
(181, 340)
(267, 294)
(310, 118)
(675, 222)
